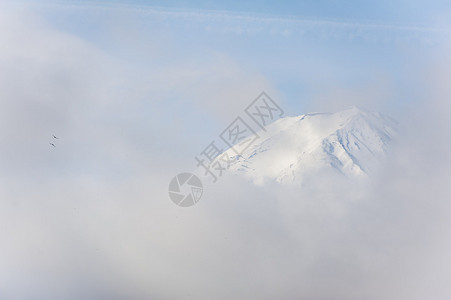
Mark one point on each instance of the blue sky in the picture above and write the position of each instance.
(290, 43)
(397, 11)
(309, 55)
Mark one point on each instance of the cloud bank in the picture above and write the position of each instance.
(92, 219)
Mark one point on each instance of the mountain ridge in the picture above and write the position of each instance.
(351, 142)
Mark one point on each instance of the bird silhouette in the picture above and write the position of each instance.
(55, 137)
(53, 145)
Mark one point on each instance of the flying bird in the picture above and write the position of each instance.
(53, 145)
(55, 137)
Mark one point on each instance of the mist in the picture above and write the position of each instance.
(91, 218)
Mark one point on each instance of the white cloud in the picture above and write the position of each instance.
(93, 219)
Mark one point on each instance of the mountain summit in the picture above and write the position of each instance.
(350, 142)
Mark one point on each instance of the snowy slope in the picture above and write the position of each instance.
(350, 142)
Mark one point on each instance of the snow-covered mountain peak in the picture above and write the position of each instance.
(351, 142)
